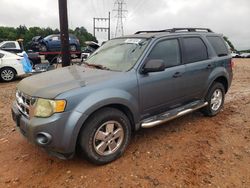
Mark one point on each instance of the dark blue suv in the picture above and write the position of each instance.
(53, 43)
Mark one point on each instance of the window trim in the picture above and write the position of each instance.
(9, 47)
(184, 50)
(143, 61)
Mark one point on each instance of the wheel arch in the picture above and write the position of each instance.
(223, 80)
(123, 108)
(9, 68)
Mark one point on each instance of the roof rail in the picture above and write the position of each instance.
(173, 30)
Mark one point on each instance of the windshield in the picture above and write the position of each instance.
(118, 54)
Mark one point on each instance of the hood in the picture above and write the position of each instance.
(52, 83)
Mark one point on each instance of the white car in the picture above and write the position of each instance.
(245, 55)
(10, 66)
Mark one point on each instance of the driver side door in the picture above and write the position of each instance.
(161, 91)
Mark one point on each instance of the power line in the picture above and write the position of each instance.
(119, 4)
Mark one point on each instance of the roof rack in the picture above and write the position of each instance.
(173, 30)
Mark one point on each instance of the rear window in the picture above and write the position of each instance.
(218, 45)
(9, 45)
(195, 49)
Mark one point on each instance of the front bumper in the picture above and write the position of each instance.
(63, 129)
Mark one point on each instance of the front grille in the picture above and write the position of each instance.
(24, 103)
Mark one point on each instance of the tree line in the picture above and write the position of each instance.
(22, 32)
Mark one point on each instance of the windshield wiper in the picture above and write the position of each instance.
(98, 66)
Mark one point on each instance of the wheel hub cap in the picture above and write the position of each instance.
(7, 75)
(108, 138)
(216, 99)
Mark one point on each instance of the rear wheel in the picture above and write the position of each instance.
(7, 74)
(105, 136)
(215, 99)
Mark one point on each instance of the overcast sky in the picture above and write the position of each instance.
(230, 17)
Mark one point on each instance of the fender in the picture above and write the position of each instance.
(94, 102)
(106, 97)
(216, 73)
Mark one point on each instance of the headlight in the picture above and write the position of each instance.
(45, 107)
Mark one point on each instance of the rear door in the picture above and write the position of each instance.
(160, 91)
(198, 66)
(54, 43)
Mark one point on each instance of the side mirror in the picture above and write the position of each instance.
(154, 65)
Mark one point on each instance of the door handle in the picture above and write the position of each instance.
(177, 74)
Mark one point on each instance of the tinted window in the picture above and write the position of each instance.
(218, 45)
(195, 49)
(9, 45)
(1, 55)
(168, 51)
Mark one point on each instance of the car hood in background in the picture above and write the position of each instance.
(52, 83)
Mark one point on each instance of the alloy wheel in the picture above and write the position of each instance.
(108, 138)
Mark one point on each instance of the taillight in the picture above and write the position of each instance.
(231, 64)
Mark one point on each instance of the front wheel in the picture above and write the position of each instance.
(72, 48)
(43, 48)
(215, 99)
(105, 136)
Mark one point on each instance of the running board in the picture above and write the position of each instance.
(167, 116)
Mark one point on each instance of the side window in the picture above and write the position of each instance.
(168, 51)
(55, 38)
(218, 45)
(1, 55)
(9, 45)
(195, 49)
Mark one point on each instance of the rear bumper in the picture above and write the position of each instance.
(61, 130)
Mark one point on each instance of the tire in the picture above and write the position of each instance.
(94, 141)
(215, 98)
(72, 48)
(7, 74)
(43, 48)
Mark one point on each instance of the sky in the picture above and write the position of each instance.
(229, 17)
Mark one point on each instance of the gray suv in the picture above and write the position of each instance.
(131, 82)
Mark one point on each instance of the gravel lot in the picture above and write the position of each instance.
(193, 151)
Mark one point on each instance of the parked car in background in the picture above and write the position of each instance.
(90, 48)
(245, 55)
(34, 44)
(53, 43)
(17, 47)
(11, 46)
(235, 54)
(10, 66)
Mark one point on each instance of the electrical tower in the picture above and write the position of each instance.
(105, 29)
(119, 8)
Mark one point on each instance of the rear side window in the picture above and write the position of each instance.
(9, 45)
(218, 45)
(168, 51)
(195, 49)
(1, 55)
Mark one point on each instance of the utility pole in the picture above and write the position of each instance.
(119, 4)
(105, 29)
(64, 31)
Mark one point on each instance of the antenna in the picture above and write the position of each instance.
(119, 4)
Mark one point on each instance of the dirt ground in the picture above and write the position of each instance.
(193, 151)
